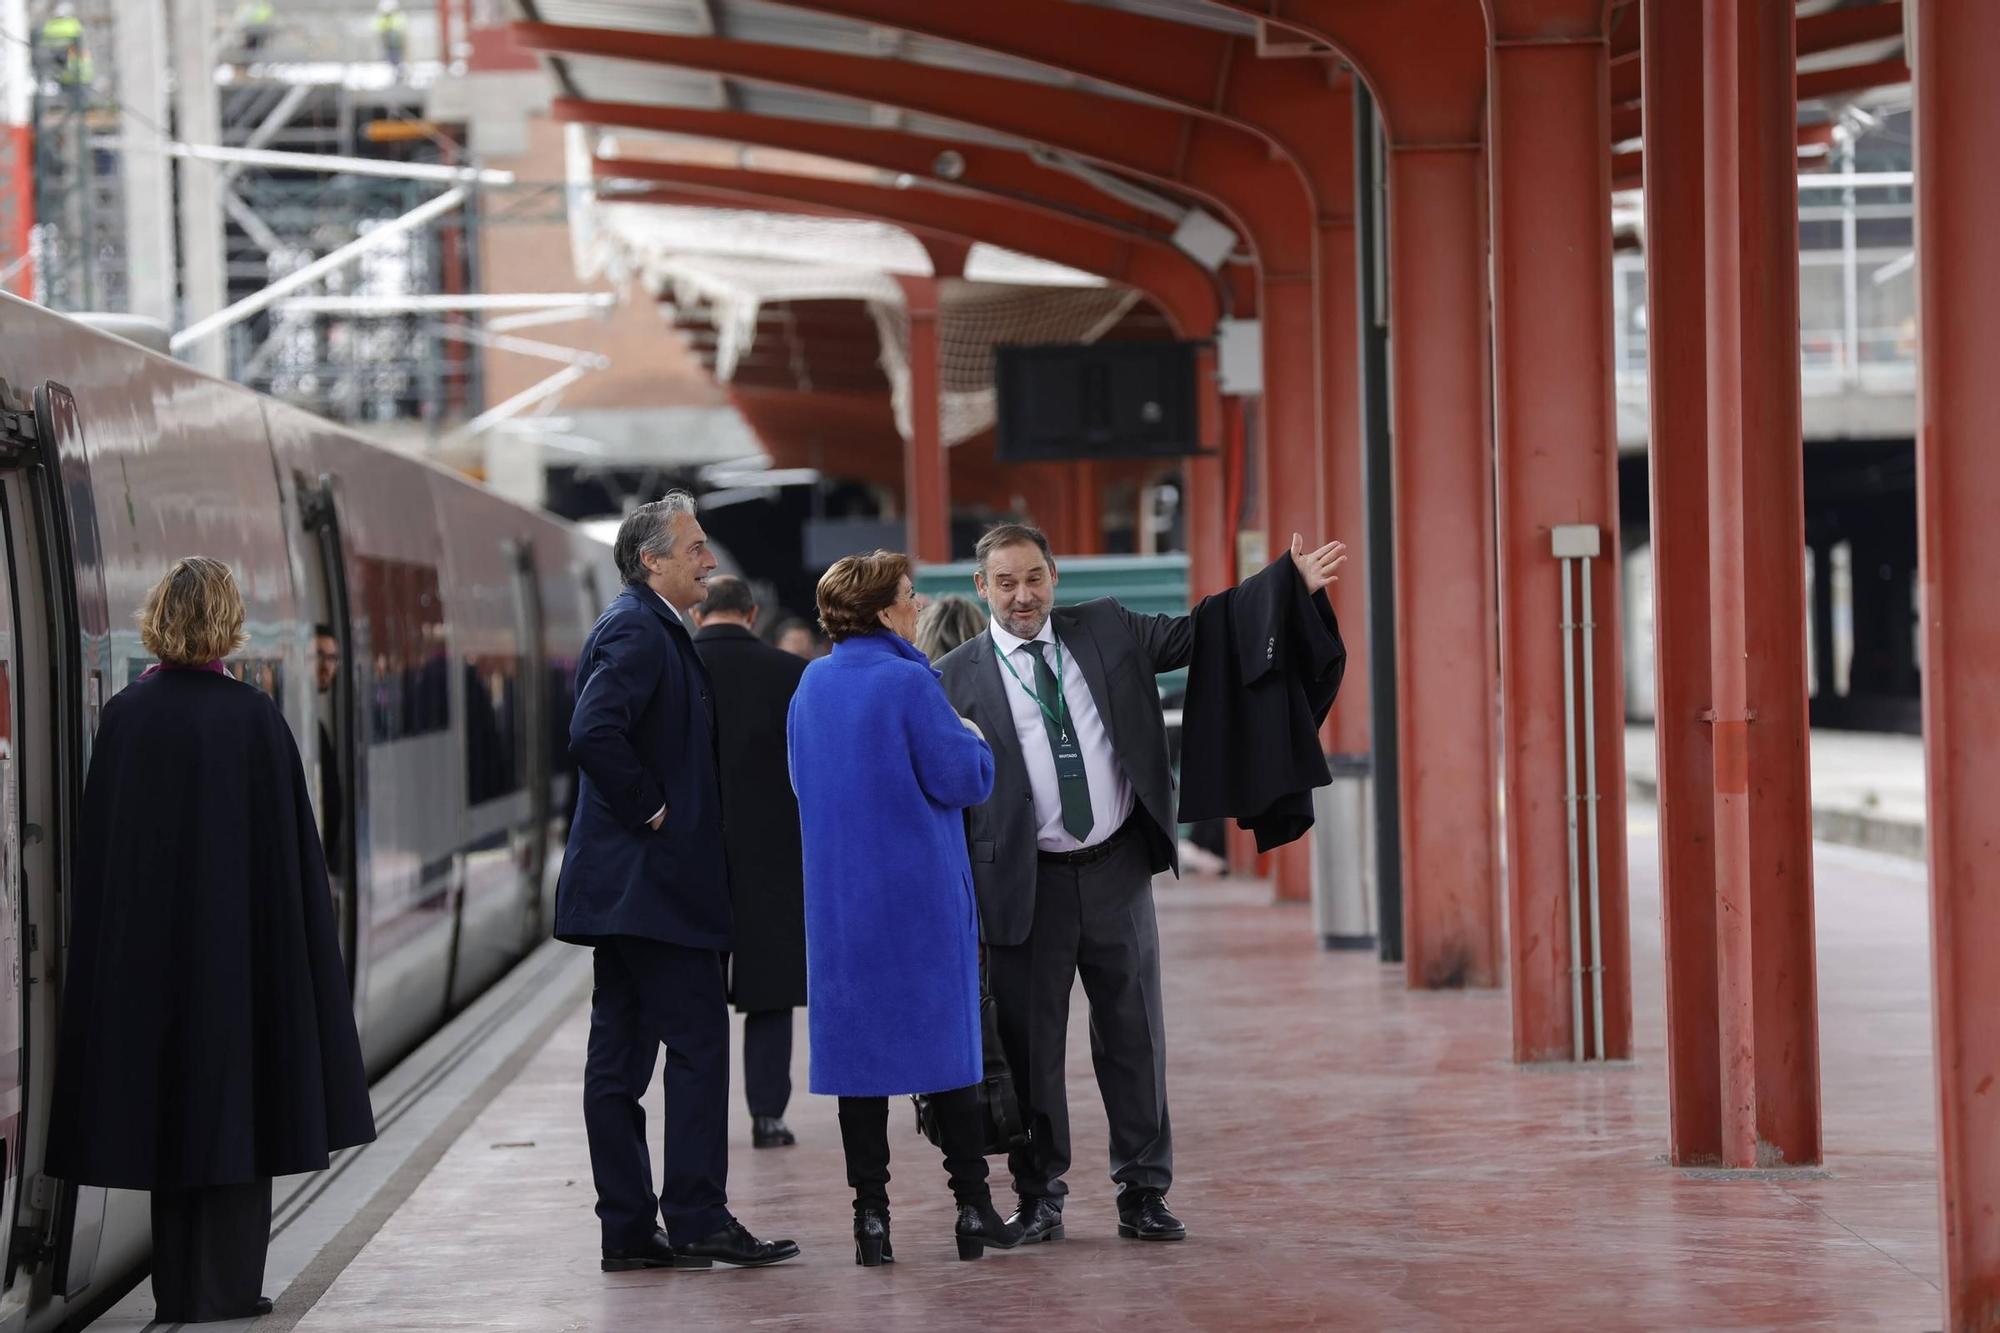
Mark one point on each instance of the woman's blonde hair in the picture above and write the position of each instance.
(948, 622)
(194, 615)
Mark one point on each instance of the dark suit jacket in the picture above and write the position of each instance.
(1268, 661)
(1119, 653)
(754, 684)
(644, 733)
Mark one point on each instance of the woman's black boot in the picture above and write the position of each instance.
(979, 1227)
(871, 1238)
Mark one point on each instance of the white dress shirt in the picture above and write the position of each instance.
(1111, 798)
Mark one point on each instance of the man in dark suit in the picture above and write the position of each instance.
(644, 884)
(1063, 854)
(767, 969)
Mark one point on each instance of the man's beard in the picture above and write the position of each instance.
(1024, 625)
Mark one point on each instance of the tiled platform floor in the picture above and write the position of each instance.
(1350, 1155)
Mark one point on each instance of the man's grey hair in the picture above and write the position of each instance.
(1011, 534)
(648, 530)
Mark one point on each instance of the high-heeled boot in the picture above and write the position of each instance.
(980, 1227)
(871, 1238)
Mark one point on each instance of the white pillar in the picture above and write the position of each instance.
(204, 275)
(140, 37)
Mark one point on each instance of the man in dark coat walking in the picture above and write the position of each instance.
(1063, 854)
(754, 683)
(644, 883)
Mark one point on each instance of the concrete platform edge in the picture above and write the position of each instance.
(1848, 828)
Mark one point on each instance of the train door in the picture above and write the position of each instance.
(334, 706)
(50, 696)
(531, 727)
(13, 919)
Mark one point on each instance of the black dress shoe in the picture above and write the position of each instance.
(1143, 1215)
(654, 1252)
(871, 1238)
(979, 1227)
(770, 1131)
(1039, 1218)
(734, 1245)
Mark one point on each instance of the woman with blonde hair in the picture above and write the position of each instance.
(208, 1038)
(948, 622)
(884, 770)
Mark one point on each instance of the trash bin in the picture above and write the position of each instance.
(1343, 883)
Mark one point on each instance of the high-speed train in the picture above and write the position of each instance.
(437, 747)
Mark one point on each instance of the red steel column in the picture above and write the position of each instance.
(1558, 464)
(1444, 567)
(1756, 541)
(1086, 507)
(1209, 536)
(1676, 355)
(1343, 503)
(926, 468)
(1958, 494)
(1290, 478)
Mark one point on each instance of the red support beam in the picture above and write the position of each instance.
(1817, 34)
(1836, 82)
(1558, 467)
(1425, 60)
(1763, 819)
(1170, 278)
(1676, 353)
(926, 466)
(972, 167)
(1958, 494)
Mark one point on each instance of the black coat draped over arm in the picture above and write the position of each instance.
(1268, 661)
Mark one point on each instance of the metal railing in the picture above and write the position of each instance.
(1857, 289)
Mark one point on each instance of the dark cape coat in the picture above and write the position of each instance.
(1268, 660)
(207, 1030)
(754, 684)
(884, 770)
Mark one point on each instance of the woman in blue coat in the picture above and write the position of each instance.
(884, 770)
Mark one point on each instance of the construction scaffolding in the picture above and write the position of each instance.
(307, 135)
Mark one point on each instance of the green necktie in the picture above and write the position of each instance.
(1071, 782)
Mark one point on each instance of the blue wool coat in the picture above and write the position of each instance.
(884, 771)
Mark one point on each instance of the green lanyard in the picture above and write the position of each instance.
(1061, 723)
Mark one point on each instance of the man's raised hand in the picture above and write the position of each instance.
(1318, 568)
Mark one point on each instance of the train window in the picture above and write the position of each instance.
(406, 661)
(493, 740)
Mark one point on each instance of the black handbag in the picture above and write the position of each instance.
(999, 1105)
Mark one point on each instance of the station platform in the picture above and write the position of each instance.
(1350, 1155)
(1867, 787)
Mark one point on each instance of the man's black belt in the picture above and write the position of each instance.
(1097, 851)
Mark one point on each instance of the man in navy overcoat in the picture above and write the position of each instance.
(645, 885)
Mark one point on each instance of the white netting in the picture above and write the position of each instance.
(973, 319)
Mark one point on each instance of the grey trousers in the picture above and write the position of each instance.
(1094, 921)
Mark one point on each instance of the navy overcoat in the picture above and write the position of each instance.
(884, 770)
(643, 736)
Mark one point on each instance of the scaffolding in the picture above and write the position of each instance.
(78, 240)
(318, 81)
